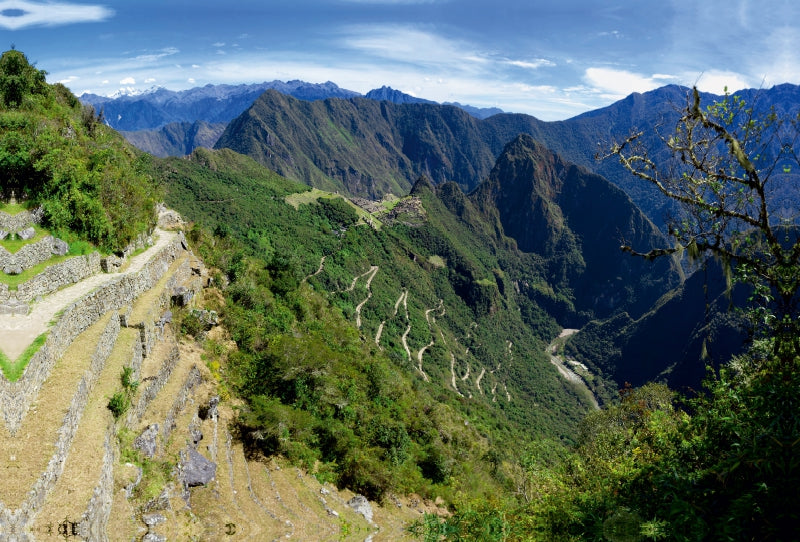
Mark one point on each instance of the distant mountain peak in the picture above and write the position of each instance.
(133, 91)
(395, 96)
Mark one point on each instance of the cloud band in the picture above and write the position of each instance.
(18, 14)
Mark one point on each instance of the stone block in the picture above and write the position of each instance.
(60, 247)
(146, 442)
(27, 233)
(197, 470)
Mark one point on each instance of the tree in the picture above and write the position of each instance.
(19, 78)
(727, 163)
(736, 472)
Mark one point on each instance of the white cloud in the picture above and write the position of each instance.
(152, 57)
(716, 82)
(191, 81)
(618, 83)
(128, 81)
(150, 80)
(69, 80)
(531, 64)
(412, 46)
(16, 14)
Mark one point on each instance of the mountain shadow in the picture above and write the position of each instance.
(576, 220)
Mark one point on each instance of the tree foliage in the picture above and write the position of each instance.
(721, 465)
(57, 154)
(730, 165)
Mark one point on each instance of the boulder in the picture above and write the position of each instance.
(197, 470)
(181, 296)
(27, 233)
(196, 435)
(111, 263)
(146, 442)
(361, 505)
(60, 247)
(209, 411)
(153, 519)
(169, 219)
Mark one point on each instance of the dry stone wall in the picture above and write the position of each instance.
(26, 514)
(76, 318)
(19, 221)
(31, 255)
(152, 389)
(94, 522)
(59, 275)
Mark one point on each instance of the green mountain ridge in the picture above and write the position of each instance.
(176, 138)
(578, 220)
(360, 146)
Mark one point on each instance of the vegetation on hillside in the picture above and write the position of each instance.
(720, 465)
(351, 402)
(57, 154)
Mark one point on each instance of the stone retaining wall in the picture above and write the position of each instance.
(56, 276)
(76, 318)
(193, 379)
(168, 365)
(26, 514)
(94, 521)
(30, 255)
(17, 222)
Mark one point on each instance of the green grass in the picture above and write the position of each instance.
(390, 201)
(298, 199)
(13, 245)
(14, 369)
(13, 281)
(12, 209)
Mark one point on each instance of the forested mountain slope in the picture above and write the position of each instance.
(373, 148)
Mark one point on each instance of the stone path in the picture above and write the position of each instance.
(18, 331)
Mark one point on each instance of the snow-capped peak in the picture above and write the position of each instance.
(133, 91)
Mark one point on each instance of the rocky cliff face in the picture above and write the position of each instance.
(577, 220)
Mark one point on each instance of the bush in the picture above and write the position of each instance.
(119, 404)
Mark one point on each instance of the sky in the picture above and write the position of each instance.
(550, 59)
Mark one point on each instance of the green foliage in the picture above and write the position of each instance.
(320, 391)
(120, 402)
(18, 79)
(156, 473)
(723, 464)
(57, 155)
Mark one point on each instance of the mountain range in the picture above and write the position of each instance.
(390, 296)
(382, 143)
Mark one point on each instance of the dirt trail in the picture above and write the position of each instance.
(373, 270)
(318, 271)
(478, 380)
(402, 299)
(19, 331)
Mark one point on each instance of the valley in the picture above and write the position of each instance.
(381, 318)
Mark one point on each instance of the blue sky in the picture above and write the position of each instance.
(553, 59)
